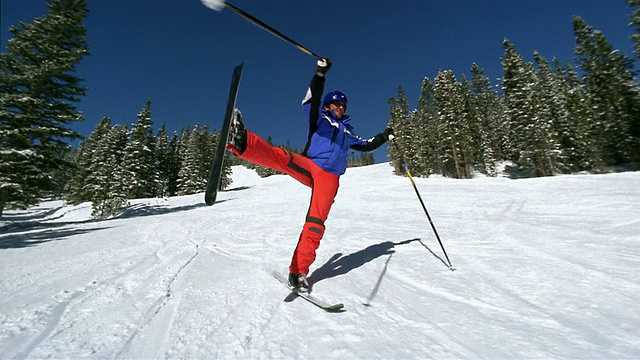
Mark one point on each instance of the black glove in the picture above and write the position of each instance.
(388, 133)
(323, 66)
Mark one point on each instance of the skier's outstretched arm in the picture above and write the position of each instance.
(373, 143)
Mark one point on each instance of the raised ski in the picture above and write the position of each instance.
(213, 182)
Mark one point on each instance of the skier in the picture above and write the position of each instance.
(323, 161)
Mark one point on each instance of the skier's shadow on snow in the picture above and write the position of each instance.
(340, 265)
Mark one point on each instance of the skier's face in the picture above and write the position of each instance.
(338, 108)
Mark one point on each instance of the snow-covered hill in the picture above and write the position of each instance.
(545, 268)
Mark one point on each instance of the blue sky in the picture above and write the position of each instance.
(180, 54)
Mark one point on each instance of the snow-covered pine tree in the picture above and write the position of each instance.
(195, 167)
(37, 95)
(426, 136)
(551, 113)
(140, 161)
(107, 180)
(78, 190)
(162, 157)
(70, 184)
(400, 148)
(613, 93)
(514, 82)
(581, 144)
(185, 172)
(489, 121)
(531, 150)
(173, 165)
(206, 149)
(465, 129)
(454, 153)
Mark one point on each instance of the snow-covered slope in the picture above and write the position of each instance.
(545, 268)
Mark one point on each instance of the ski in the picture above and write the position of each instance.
(218, 160)
(310, 298)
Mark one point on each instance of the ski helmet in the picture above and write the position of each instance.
(335, 96)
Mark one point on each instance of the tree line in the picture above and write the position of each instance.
(549, 117)
(116, 164)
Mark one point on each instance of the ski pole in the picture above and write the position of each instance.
(218, 4)
(406, 168)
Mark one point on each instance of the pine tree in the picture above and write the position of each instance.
(466, 125)
(195, 160)
(487, 122)
(163, 162)
(185, 162)
(533, 147)
(401, 146)
(551, 116)
(578, 137)
(140, 162)
(73, 161)
(37, 93)
(189, 181)
(613, 93)
(107, 180)
(426, 138)
(86, 153)
(453, 150)
(172, 165)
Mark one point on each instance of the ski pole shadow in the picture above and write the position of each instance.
(435, 255)
(376, 287)
(374, 292)
(340, 265)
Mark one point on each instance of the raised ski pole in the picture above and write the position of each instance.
(406, 169)
(218, 4)
(273, 31)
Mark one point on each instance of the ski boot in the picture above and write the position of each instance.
(237, 133)
(299, 282)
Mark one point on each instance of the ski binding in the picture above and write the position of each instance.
(310, 298)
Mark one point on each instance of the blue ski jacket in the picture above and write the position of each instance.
(330, 138)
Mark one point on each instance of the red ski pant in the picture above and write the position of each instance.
(324, 187)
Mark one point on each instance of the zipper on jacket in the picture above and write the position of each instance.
(335, 135)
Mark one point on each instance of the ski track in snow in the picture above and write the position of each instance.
(544, 268)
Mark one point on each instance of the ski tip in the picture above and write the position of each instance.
(339, 308)
(334, 308)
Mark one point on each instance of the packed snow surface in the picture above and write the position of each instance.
(544, 268)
